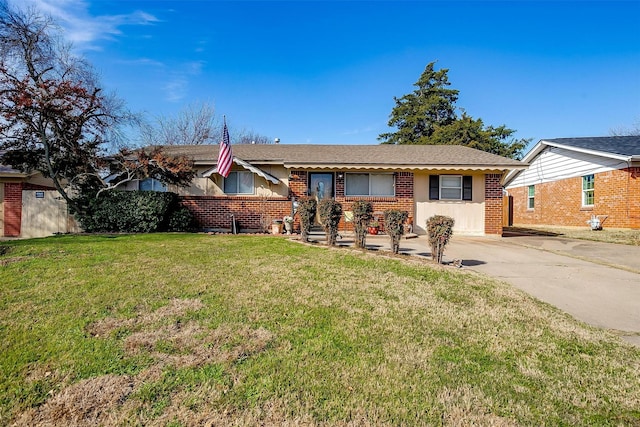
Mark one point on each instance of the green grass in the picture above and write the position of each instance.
(178, 329)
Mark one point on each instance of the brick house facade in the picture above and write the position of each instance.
(283, 174)
(572, 179)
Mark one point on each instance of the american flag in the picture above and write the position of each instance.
(225, 156)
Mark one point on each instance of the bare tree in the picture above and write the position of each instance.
(54, 116)
(251, 137)
(194, 125)
(634, 130)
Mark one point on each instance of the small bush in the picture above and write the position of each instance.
(306, 211)
(330, 213)
(440, 230)
(394, 226)
(362, 215)
(180, 219)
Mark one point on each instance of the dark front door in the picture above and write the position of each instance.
(320, 187)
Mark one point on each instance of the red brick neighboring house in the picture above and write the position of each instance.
(15, 186)
(571, 180)
(423, 180)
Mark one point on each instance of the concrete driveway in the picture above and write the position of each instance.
(597, 283)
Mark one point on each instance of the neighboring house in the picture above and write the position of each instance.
(30, 206)
(569, 180)
(423, 180)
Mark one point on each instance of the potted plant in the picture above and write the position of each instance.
(288, 224)
(276, 226)
(374, 227)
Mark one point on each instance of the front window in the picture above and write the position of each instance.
(239, 182)
(151, 184)
(588, 182)
(450, 187)
(369, 184)
(531, 197)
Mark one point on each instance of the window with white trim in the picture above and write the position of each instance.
(369, 184)
(531, 196)
(239, 182)
(151, 184)
(588, 186)
(450, 187)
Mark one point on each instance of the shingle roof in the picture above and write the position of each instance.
(308, 155)
(621, 145)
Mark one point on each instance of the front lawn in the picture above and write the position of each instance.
(186, 329)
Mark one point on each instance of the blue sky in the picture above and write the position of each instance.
(326, 72)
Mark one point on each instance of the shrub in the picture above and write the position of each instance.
(306, 212)
(440, 230)
(180, 219)
(330, 213)
(362, 215)
(394, 226)
(132, 212)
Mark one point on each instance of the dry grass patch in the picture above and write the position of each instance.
(89, 402)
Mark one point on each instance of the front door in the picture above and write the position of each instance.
(320, 187)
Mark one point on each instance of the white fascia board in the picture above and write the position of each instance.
(592, 152)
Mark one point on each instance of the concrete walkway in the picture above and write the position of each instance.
(598, 283)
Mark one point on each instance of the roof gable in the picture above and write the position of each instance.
(624, 146)
(620, 148)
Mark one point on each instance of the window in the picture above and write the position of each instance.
(450, 187)
(531, 197)
(151, 184)
(240, 182)
(369, 184)
(588, 190)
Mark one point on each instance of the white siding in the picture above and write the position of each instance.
(554, 164)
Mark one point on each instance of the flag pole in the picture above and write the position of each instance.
(225, 154)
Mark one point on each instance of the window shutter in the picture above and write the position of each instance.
(434, 187)
(467, 185)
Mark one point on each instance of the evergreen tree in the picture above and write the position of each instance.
(416, 115)
(428, 116)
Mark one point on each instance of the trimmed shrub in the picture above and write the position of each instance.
(133, 212)
(330, 213)
(362, 215)
(394, 226)
(440, 230)
(180, 219)
(306, 211)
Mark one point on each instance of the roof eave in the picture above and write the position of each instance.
(615, 156)
(444, 166)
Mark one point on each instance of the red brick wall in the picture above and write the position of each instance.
(403, 200)
(216, 211)
(492, 204)
(616, 194)
(12, 208)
